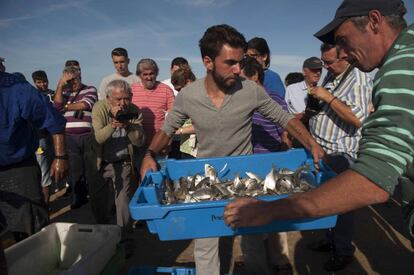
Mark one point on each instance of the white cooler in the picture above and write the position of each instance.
(64, 248)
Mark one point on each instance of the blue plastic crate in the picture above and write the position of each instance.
(205, 219)
(148, 270)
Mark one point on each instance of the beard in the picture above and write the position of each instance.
(149, 85)
(222, 82)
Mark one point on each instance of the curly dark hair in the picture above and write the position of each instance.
(216, 36)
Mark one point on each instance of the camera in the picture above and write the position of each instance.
(124, 115)
(78, 114)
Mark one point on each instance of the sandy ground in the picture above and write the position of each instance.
(380, 239)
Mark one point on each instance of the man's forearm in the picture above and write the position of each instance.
(59, 144)
(58, 98)
(345, 112)
(348, 191)
(77, 106)
(296, 128)
(159, 142)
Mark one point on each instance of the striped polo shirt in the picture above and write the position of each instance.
(266, 135)
(330, 130)
(78, 126)
(154, 105)
(386, 148)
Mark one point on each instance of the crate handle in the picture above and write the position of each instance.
(90, 230)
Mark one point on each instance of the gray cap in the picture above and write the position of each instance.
(313, 63)
(2, 59)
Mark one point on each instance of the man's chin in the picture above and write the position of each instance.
(150, 86)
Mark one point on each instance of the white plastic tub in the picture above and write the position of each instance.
(64, 248)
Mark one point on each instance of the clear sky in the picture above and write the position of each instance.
(43, 34)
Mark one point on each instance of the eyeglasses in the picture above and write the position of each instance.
(329, 63)
(253, 55)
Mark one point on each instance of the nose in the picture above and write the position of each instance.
(236, 69)
(123, 102)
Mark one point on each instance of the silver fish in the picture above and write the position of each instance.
(299, 173)
(197, 179)
(184, 184)
(305, 186)
(210, 171)
(253, 176)
(169, 191)
(222, 189)
(252, 184)
(238, 184)
(285, 184)
(204, 194)
(286, 171)
(270, 180)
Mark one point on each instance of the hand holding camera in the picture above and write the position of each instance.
(121, 117)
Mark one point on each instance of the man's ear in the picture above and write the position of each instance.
(375, 20)
(208, 63)
(265, 58)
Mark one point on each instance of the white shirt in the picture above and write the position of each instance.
(168, 82)
(296, 97)
(105, 81)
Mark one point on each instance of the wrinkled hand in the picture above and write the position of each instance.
(317, 153)
(66, 76)
(119, 124)
(59, 169)
(320, 93)
(247, 212)
(286, 140)
(115, 109)
(148, 163)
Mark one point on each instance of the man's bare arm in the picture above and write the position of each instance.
(296, 128)
(340, 108)
(346, 192)
(159, 142)
(59, 166)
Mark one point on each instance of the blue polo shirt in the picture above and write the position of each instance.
(22, 110)
(273, 83)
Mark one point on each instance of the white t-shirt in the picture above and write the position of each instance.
(105, 81)
(168, 82)
(296, 97)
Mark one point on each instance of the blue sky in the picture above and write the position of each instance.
(43, 34)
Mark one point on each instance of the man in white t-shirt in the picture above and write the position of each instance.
(175, 65)
(297, 94)
(121, 61)
(176, 142)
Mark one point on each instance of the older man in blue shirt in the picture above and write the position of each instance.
(22, 109)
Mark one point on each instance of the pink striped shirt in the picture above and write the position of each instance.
(154, 105)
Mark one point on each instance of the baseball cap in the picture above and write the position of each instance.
(2, 59)
(313, 63)
(352, 8)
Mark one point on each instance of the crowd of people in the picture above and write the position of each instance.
(106, 140)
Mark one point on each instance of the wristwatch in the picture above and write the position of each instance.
(65, 156)
(151, 153)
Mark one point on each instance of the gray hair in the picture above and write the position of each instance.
(118, 84)
(395, 21)
(147, 64)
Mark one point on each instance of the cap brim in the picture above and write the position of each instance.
(327, 33)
